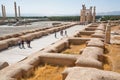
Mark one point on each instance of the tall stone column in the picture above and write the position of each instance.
(91, 14)
(4, 11)
(94, 14)
(108, 33)
(19, 11)
(82, 16)
(87, 18)
(15, 8)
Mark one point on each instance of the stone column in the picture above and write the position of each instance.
(19, 11)
(4, 11)
(108, 33)
(87, 18)
(82, 16)
(94, 14)
(15, 8)
(91, 14)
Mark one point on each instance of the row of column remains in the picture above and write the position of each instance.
(3, 7)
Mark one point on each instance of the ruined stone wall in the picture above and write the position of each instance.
(86, 66)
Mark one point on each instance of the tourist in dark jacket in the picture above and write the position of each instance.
(22, 43)
(28, 43)
(19, 44)
(66, 33)
(61, 32)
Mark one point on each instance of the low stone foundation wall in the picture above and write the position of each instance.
(3, 65)
(3, 45)
(96, 42)
(97, 31)
(97, 35)
(11, 40)
(89, 63)
(57, 46)
(90, 28)
(63, 44)
(78, 41)
(86, 32)
(82, 73)
(58, 59)
(90, 57)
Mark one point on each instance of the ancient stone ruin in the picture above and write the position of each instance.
(85, 64)
(87, 15)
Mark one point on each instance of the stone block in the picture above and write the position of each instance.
(96, 42)
(3, 64)
(58, 59)
(82, 73)
(3, 45)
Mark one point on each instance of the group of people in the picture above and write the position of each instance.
(62, 33)
(21, 44)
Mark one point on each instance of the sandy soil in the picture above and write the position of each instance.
(85, 36)
(74, 49)
(47, 72)
(113, 52)
(115, 28)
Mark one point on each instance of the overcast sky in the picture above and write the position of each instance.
(59, 7)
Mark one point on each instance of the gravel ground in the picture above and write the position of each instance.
(5, 29)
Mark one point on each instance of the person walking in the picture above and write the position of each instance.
(61, 32)
(19, 44)
(22, 43)
(55, 34)
(66, 33)
(28, 43)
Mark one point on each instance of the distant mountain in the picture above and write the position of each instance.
(72, 14)
(30, 14)
(109, 13)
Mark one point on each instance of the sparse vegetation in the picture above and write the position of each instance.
(64, 18)
(46, 72)
(105, 18)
